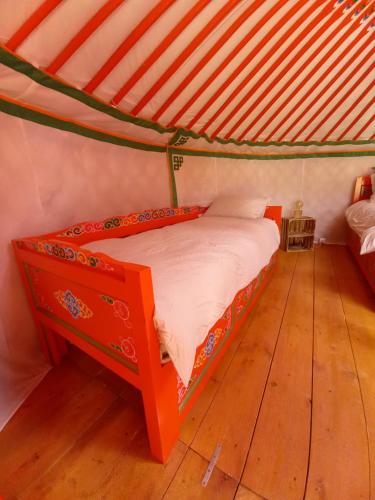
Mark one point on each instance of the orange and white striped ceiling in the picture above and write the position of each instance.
(247, 70)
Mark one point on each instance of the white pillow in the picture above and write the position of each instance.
(368, 240)
(231, 206)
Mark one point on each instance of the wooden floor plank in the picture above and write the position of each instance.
(187, 483)
(244, 493)
(82, 469)
(27, 460)
(339, 437)
(359, 307)
(136, 474)
(231, 417)
(278, 459)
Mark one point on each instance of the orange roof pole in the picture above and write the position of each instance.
(198, 39)
(31, 23)
(160, 49)
(83, 34)
(352, 107)
(306, 79)
(342, 100)
(211, 53)
(270, 34)
(347, 65)
(324, 105)
(225, 62)
(128, 43)
(328, 20)
(370, 121)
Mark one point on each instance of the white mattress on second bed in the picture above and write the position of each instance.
(197, 268)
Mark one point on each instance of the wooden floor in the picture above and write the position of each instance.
(292, 403)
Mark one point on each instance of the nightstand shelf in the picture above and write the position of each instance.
(298, 234)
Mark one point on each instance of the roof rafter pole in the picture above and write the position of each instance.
(128, 43)
(84, 33)
(322, 16)
(327, 87)
(352, 107)
(302, 100)
(197, 40)
(360, 79)
(31, 23)
(227, 60)
(272, 32)
(307, 78)
(212, 52)
(365, 126)
(160, 49)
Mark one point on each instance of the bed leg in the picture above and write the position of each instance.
(162, 417)
(56, 346)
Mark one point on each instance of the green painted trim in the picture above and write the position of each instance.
(90, 340)
(38, 117)
(241, 156)
(21, 66)
(181, 133)
(39, 76)
(172, 179)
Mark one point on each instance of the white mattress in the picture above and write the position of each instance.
(197, 268)
(361, 218)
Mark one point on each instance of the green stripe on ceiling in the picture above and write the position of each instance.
(12, 61)
(37, 117)
(39, 76)
(179, 140)
(293, 156)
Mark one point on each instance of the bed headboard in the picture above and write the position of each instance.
(273, 212)
(362, 188)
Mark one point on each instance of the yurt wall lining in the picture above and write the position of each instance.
(324, 184)
(53, 179)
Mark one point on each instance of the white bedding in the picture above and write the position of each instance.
(361, 218)
(197, 268)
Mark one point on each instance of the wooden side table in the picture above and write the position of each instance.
(297, 234)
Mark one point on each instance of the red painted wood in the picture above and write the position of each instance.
(347, 94)
(198, 39)
(324, 105)
(370, 121)
(209, 55)
(329, 17)
(128, 43)
(160, 49)
(369, 105)
(31, 23)
(340, 42)
(89, 28)
(225, 62)
(254, 71)
(98, 323)
(327, 73)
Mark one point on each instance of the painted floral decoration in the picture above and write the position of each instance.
(73, 304)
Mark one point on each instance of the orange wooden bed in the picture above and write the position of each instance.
(362, 191)
(105, 307)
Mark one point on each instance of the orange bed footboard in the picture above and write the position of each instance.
(106, 308)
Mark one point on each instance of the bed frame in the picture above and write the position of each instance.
(105, 307)
(362, 191)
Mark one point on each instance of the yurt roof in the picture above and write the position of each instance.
(225, 77)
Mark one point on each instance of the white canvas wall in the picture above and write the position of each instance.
(50, 179)
(324, 184)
